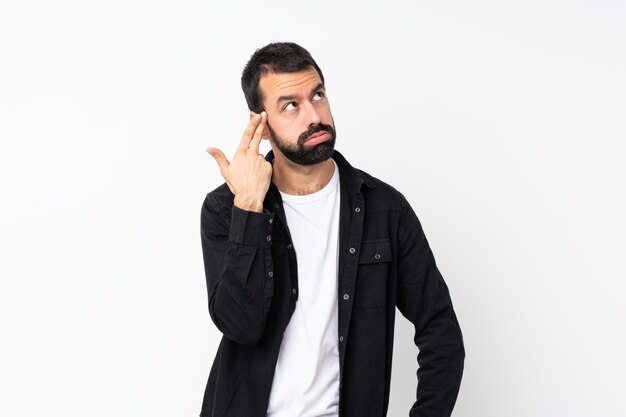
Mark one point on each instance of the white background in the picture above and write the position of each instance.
(502, 122)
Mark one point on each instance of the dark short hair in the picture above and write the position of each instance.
(275, 57)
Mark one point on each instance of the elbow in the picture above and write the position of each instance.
(241, 326)
(248, 335)
(245, 338)
(457, 355)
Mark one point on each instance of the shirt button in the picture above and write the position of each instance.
(271, 221)
(276, 206)
(268, 238)
(357, 209)
(289, 246)
(346, 296)
(293, 291)
(352, 250)
(377, 256)
(270, 274)
(341, 338)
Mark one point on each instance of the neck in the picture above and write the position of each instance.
(295, 179)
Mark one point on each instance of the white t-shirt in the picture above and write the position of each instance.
(306, 379)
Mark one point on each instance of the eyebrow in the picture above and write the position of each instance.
(290, 97)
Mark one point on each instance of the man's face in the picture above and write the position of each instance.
(297, 108)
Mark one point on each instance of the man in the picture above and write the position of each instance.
(306, 259)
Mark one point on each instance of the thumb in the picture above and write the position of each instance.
(221, 159)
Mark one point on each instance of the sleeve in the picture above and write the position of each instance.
(423, 298)
(238, 270)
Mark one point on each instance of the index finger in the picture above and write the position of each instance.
(246, 138)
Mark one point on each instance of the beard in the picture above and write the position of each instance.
(301, 155)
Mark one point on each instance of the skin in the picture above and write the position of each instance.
(248, 175)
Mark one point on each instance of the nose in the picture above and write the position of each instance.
(312, 115)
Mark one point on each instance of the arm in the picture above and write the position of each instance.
(237, 260)
(236, 251)
(423, 298)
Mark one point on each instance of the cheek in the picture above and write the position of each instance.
(288, 129)
(283, 129)
(327, 117)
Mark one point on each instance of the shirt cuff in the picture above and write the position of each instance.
(250, 227)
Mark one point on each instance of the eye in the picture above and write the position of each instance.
(321, 94)
(287, 105)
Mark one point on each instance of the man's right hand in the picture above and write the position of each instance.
(248, 176)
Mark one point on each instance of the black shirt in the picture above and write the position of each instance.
(384, 262)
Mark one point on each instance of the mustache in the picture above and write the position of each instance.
(315, 129)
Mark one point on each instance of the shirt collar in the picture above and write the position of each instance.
(353, 176)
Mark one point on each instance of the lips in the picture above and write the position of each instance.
(314, 135)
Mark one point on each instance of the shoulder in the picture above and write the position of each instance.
(382, 194)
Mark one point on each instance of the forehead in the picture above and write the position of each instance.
(274, 85)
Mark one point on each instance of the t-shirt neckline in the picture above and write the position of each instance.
(307, 198)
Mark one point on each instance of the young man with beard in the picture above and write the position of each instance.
(306, 259)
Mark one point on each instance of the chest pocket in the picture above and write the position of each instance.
(371, 282)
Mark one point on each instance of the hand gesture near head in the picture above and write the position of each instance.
(248, 175)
